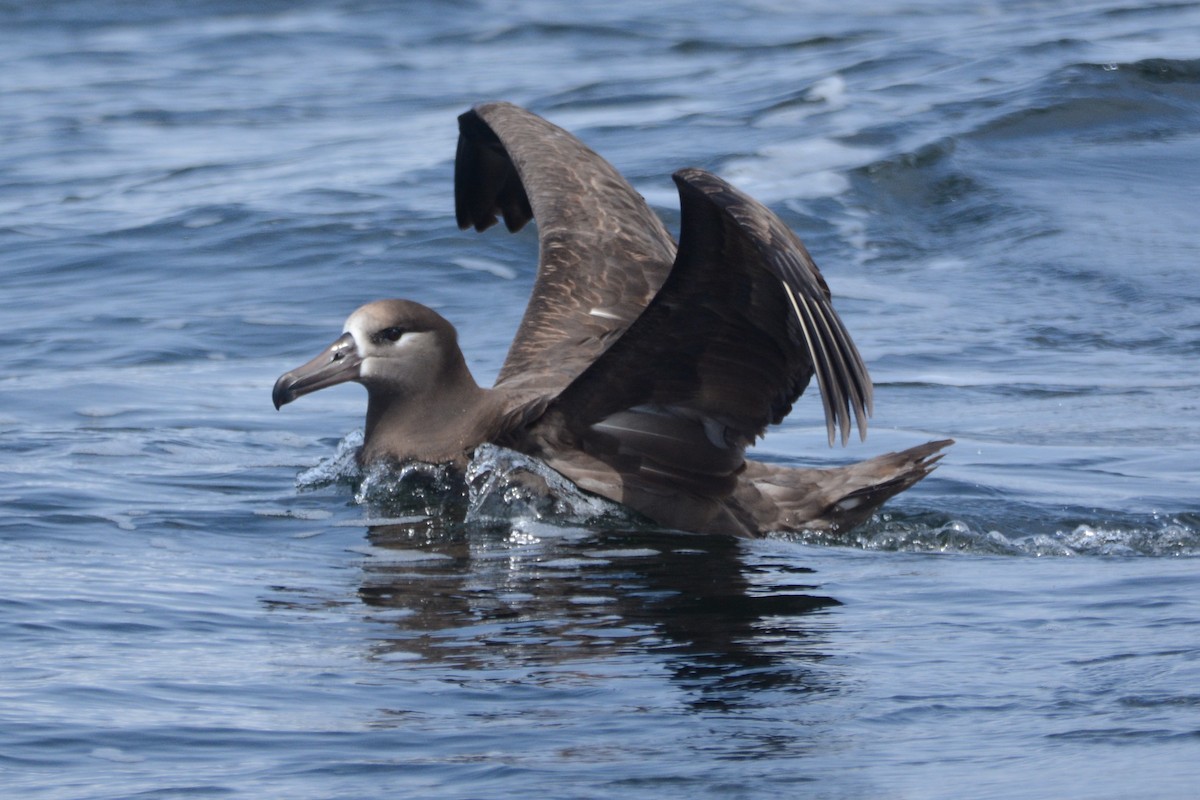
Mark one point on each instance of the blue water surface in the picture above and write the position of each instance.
(195, 603)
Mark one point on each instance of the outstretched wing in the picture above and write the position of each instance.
(734, 336)
(603, 253)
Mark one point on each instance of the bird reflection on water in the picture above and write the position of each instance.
(533, 598)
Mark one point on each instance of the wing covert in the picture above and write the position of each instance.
(603, 254)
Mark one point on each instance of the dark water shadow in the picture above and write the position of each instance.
(727, 622)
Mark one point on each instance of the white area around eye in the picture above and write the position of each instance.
(394, 358)
(355, 329)
(411, 339)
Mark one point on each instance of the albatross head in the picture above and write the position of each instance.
(396, 348)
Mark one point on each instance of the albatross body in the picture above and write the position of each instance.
(642, 369)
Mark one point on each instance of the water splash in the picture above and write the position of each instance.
(498, 485)
(505, 484)
(340, 468)
(1155, 537)
(502, 485)
(1172, 538)
(435, 490)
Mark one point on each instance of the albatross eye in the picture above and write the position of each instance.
(390, 334)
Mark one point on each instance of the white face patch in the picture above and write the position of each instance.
(357, 327)
(419, 340)
(406, 357)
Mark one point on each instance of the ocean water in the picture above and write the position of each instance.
(195, 602)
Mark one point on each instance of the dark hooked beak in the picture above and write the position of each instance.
(338, 363)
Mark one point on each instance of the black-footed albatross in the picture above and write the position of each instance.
(642, 369)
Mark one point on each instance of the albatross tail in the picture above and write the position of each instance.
(793, 499)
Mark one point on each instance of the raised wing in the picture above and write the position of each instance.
(603, 253)
(721, 224)
(734, 336)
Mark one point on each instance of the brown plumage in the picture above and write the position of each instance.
(641, 370)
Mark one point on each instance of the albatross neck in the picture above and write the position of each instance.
(437, 420)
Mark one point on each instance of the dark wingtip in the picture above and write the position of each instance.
(486, 183)
(469, 126)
